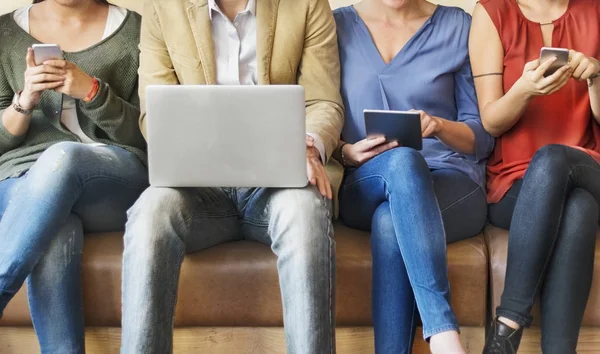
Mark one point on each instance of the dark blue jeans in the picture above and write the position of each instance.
(412, 212)
(551, 244)
(71, 187)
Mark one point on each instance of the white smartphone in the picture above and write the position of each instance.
(44, 52)
(562, 58)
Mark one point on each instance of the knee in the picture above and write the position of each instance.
(153, 213)
(406, 158)
(582, 210)
(405, 164)
(550, 160)
(63, 156)
(383, 234)
(59, 162)
(300, 218)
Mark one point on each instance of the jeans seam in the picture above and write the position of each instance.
(348, 185)
(208, 216)
(255, 223)
(461, 199)
(412, 325)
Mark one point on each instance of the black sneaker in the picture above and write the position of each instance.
(502, 339)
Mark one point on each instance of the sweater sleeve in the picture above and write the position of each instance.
(8, 141)
(117, 117)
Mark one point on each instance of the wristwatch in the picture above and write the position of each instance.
(17, 106)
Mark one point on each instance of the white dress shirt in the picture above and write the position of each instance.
(235, 50)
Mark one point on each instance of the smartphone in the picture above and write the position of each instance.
(562, 58)
(44, 52)
(403, 127)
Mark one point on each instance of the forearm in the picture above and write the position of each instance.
(457, 136)
(501, 115)
(14, 122)
(117, 117)
(594, 91)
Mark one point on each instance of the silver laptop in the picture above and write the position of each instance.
(226, 136)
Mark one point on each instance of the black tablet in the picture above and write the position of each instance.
(403, 127)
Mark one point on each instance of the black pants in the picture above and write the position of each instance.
(552, 215)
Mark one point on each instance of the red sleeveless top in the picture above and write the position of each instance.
(564, 117)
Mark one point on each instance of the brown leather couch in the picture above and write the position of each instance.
(236, 285)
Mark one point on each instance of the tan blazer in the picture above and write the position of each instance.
(296, 44)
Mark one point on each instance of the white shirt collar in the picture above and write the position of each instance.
(212, 6)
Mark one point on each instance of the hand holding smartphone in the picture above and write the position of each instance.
(562, 58)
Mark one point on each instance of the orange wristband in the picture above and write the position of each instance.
(93, 92)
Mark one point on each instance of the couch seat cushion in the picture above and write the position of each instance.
(236, 284)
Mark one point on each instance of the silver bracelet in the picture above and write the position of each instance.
(17, 107)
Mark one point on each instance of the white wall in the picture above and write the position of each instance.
(10, 5)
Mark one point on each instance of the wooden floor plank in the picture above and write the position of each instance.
(238, 340)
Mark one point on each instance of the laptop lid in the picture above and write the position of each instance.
(226, 136)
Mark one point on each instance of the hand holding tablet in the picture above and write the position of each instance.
(401, 126)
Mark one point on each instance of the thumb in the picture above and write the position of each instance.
(30, 58)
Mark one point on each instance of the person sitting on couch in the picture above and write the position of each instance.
(544, 175)
(403, 55)
(245, 42)
(71, 153)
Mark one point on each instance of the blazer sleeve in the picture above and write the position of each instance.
(156, 67)
(319, 74)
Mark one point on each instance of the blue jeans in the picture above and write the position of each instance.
(71, 187)
(165, 223)
(412, 212)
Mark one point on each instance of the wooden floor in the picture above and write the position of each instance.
(232, 340)
(242, 340)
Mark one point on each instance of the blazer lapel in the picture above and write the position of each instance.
(266, 19)
(202, 30)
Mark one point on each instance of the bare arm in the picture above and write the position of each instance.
(14, 122)
(595, 99)
(584, 69)
(457, 136)
(501, 111)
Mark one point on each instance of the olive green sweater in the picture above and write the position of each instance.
(110, 118)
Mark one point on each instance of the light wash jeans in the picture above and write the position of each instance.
(412, 212)
(165, 223)
(71, 187)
